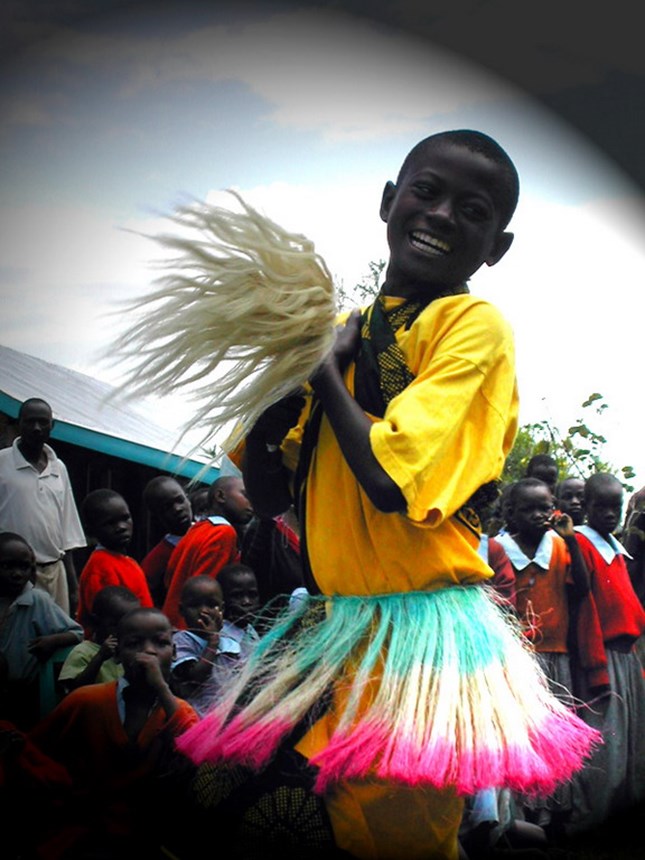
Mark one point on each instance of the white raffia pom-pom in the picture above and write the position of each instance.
(243, 315)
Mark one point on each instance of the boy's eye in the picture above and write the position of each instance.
(476, 211)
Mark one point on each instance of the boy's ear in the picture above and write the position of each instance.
(501, 246)
(389, 193)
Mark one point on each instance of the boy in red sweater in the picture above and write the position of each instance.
(116, 740)
(170, 507)
(611, 619)
(106, 517)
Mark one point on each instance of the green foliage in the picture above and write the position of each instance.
(363, 292)
(579, 452)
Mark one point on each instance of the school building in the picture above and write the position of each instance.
(103, 440)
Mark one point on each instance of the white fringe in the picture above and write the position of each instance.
(243, 317)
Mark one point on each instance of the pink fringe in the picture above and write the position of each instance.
(252, 746)
(552, 755)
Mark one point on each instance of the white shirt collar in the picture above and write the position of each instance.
(520, 560)
(608, 547)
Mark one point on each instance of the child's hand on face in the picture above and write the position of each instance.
(209, 624)
(108, 646)
(150, 669)
(562, 524)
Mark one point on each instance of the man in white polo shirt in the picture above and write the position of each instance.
(36, 502)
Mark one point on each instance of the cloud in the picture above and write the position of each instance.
(316, 69)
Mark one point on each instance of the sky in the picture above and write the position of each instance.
(109, 120)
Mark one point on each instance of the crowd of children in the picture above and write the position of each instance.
(393, 628)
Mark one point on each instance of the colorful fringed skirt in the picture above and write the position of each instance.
(424, 689)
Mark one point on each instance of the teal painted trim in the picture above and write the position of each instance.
(125, 450)
(9, 405)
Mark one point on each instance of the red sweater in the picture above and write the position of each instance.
(612, 611)
(154, 565)
(203, 550)
(105, 567)
(109, 770)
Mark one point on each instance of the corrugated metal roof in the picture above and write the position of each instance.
(88, 413)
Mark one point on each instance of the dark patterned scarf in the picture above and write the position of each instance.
(381, 373)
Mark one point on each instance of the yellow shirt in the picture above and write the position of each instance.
(440, 439)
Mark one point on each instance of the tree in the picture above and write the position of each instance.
(579, 452)
(364, 291)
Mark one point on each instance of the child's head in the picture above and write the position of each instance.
(544, 467)
(17, 564)
(446, 215)
(144, 630)
(603, 502)
(240, 589)
(106, 517)
(110, 605)
(201, 596)
(227, 497)
(570, 498)
(199, 502)
(167, 501)
(531, 504)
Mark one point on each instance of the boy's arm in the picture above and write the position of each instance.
(265, 479)
(90, 672)
(44, 646)
(563, 525)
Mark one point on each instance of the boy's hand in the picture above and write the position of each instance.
(150, 669)
(346, 345)
(276, 421)
(562, 524)
(210, 622)
(42, 647)
(108, 647)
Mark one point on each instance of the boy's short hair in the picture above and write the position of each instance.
(12, 537)
(524, 484)
(144, 612)
(475, 141)
(93, 502)
(600, 481)
(233, 568)
(105, 598)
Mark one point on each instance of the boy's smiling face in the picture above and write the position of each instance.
(443, 220)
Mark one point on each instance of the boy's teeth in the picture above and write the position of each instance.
(429, 243)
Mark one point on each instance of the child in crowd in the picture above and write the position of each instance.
(209, 544)
(219, 633)
(198, 499)
(570, 498)
(544, 467)
(106, 518)
(549, 574)
(195, 669)
(271, 547)
(93, 661)
(611, 620)
(116, 742)
(241, 605)
(550, 577)
(170, 507)
(32, 628)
